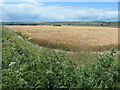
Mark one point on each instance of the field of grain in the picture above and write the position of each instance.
(73, 36)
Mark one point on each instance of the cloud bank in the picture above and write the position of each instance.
(37, 12)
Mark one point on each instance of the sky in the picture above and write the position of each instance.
(58, 11)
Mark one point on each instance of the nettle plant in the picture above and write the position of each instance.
(101, 74)
(106, 59)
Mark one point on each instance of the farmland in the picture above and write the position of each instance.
(25, 65)
(71, 38)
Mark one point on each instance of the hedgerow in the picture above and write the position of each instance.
(100, 74)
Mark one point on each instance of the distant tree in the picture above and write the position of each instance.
(57, 25)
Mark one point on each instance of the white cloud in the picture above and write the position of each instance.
(34, 2)
(37, 12)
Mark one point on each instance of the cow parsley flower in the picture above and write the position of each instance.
(29, 38)
(19, 37)
(12, 63)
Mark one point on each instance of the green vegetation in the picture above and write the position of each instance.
(28, 66)
(0, 56)
(94, 23)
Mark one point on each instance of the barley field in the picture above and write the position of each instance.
(71, 36)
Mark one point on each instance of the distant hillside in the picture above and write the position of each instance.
(94, 23)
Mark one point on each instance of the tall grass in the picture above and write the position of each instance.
(0, 56)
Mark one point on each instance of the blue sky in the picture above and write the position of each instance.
(113, 5)
(59, 11)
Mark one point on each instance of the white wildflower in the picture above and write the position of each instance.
(49, 72)
(21, 69)
(12, 63)
(29, 38)
(19, 37)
